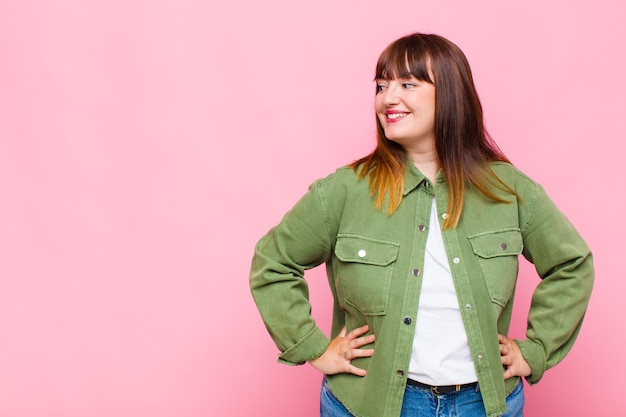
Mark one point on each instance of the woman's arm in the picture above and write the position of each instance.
(564, 263)
(300, 241)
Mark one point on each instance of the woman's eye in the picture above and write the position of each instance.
(408, 85)
(380, 87)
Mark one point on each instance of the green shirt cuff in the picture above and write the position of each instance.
(535, 356)
(312, 346)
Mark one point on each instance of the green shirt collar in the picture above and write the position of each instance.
(413, 178)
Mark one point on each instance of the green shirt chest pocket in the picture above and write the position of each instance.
(497, 253)
(364, 272)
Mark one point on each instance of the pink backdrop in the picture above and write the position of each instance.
(146, 145)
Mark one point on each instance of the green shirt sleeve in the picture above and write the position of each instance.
(301, 241)
(564, 263)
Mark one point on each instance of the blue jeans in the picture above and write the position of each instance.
(421, 402)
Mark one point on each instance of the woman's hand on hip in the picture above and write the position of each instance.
(511, 357)
(338, 356)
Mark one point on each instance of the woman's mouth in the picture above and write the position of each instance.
(395, 116)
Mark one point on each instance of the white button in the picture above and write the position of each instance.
(444, 215)
(362, 253)
(468, 307)
(456, 260)
(481, 357)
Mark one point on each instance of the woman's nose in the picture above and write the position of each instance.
(391, 94)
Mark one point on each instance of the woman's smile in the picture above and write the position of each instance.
(395, 116)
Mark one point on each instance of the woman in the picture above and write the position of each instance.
(421, 241)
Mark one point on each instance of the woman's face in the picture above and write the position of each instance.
(406, 110)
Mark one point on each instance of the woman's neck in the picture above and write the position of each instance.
(427, 163)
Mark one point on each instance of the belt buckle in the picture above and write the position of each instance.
(435, 389)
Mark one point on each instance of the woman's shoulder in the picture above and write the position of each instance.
(511, 175)
(340, 188)
(343, 176)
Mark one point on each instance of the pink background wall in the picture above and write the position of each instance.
(146, 145)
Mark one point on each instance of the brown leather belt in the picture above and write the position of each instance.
(441, 389)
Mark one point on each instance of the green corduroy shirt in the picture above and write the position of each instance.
(374, 263)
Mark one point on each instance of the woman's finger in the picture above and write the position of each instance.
(361, 353)
(357, 353)
(355, 333)
(342, 333)
(356, 371)
(362, 341)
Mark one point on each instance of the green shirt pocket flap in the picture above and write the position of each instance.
(491, 244)
(365, 250)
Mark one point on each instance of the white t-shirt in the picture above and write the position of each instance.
(441, 353)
